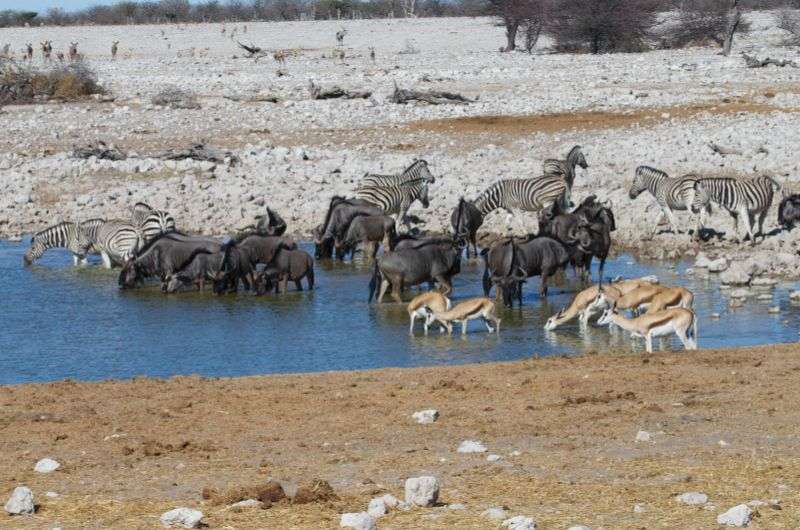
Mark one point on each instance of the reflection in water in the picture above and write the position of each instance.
(60, 321)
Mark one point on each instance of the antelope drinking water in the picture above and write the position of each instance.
(463, 312)
(418, 307)
(678, 320)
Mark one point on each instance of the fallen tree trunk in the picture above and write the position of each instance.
(202, 153)
(335, 92)
(723, 151)
(100, 150)
(754, 62)
(433, 97)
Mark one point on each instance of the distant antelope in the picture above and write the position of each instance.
(340, 36)
(372, 53)
(244, 29)
(417, 308)
(463, 312)
(280, 57)
(73, 51)
(60, 56)
(29, 51)
(631, 300)
(222, 30)
(47, 51)
(114, 48)
(678, 320)
(6, 51)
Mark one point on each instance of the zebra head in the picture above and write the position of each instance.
(701, 199)
(82, 243)
(421, 171)
(638, 186)
(575, 157)
(34, 252)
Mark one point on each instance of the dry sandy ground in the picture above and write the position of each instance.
(134, 449)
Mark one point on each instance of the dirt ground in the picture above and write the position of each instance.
(724, 422)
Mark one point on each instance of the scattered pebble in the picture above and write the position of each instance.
(182, 517)
(246, 504)
(692, 498)
(643, 436)
(579, 527)
(456, 506)
(723, 443)
(520, 522)
(422, 491)
(426, 416)
(46, 465)
(638, 508)
(357, 521)
(496, 513)
(20, 502)
(774, 310)
(493, 458)
(738, 516)
(471, 446)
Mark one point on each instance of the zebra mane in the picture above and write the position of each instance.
(573, 152)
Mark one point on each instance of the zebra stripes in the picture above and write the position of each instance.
(152, 222)
(116, 241)
(523, 194)
(395, 199)
(78, 238)
(742, 197)
(566, 168)
(672, 194)
(418, 170)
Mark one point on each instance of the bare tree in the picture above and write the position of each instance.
(513, 14)
(789, 21)
(702, 21)
(602, 26)
(734, 19)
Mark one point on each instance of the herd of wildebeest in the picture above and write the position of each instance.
(263, 259)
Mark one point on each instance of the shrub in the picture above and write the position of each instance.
(175, 98)
(602, 26)
(789, 21)
(701, 23)
(23, 84)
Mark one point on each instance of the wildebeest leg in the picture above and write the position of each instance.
(543, 286)
(384, 287)
(447, 286)
(519, 293)
(397, 288)
(600, 268)
(310, 278)
(284, 283)
(298, 285)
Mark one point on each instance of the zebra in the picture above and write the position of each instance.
(117, 241)
(530, 195)
(152, 222)
(672, 194)
(566, 167)
(418, 170)
(78, 238)
(741, 196)
(396, 199)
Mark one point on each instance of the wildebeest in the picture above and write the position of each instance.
(406, 241)
(413, 266)
(288, 265)
(508, 263)
(369, 231)
(270, 224)
(789, 211)
(201, 266)
(340, 214)
(466, 219)
(264, 249)
(163, 256)
(564, 227)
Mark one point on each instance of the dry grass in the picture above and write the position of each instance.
(24, 84)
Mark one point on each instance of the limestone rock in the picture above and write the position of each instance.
(738, 516)
(426, 416)
(692, 498)
(46, 465)
(471, 446)
(357, 521)
(422, 491)
(181, 518)
(21, 501)
(520, 522)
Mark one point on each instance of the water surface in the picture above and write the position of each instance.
(59, 322)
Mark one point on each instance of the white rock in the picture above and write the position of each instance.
(247, 503)
(740, 293)
(643, 436)
(773, 310)
(493, 458)
(22, 198)
(723, 443)
(764, 282)
(736, 274)
(579, 527)
(638, 508)
(426, 416)
(422, 491)
(471, 446)
(358, 521)
(701, 261)
(182, 517)
(456, 506)
(495, 513)
(717, 265)
(377, 508)
(794, 295)
(692, 498)
(738, 516)
(21, 501)
(51, 494)
(520, 522)
(46, 465)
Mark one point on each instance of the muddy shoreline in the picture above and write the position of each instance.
(722, 422)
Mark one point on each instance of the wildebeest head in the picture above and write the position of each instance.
(509, 284)
(130, 274)
(789, 211)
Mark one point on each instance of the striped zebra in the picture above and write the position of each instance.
(152, 222)
(78, 238)
(395, 199)
(671, 194)
(530, 195)
(418, 170)
(742, 197)
(116, 241)
(566, 167)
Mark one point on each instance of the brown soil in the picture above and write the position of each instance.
(133, 449)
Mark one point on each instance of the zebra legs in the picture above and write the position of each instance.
(106, 259)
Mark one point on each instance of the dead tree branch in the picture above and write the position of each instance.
(723, 151)
(432, 97)
(335, 92)
(754, 62)
(253, 51)
(202, 153)
(100, 150)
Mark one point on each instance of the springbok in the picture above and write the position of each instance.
(641, 295)
(465, 311)
(587, 304)
(29, 51)
(678, 320)
(417, 308)
(73, 51)
(47, 50)
(114, 48)
(671, 297)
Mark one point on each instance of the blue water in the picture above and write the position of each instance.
(60, 322)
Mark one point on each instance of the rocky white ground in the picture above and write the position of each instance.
(660, 108)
